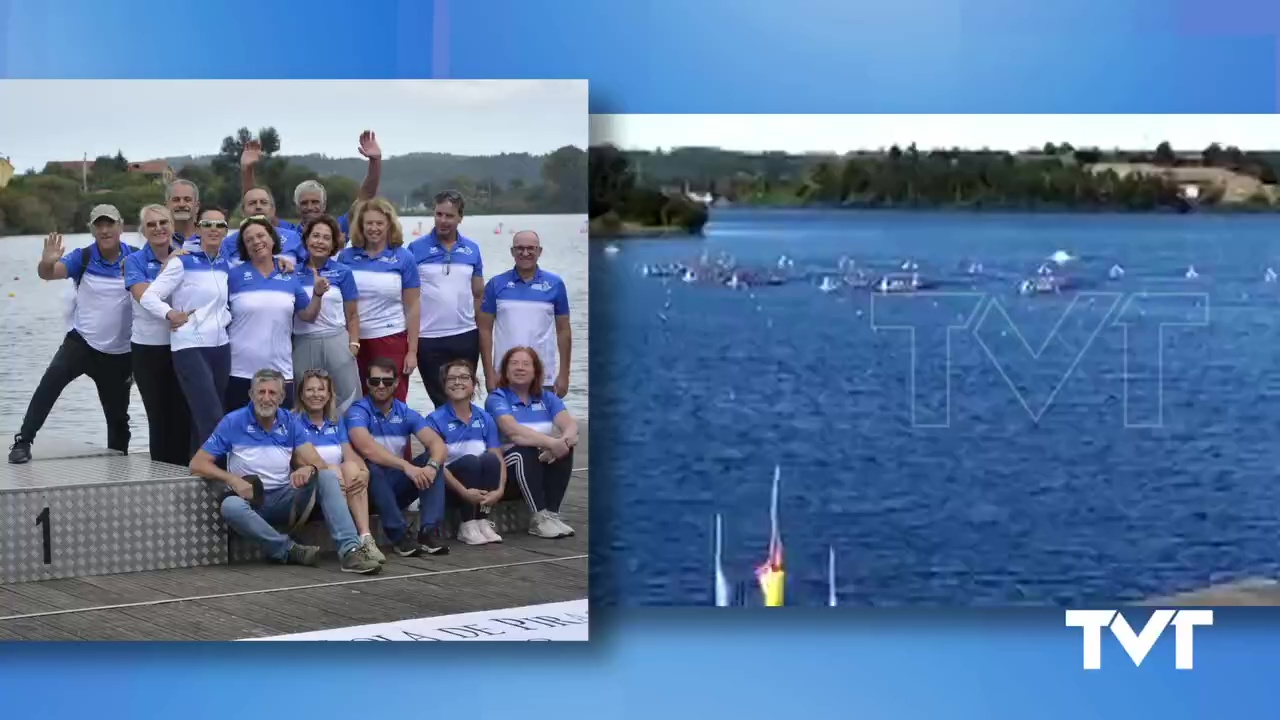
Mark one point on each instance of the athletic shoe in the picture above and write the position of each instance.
(357, 560)
(489, 530)
(470, 533)
(20, 450)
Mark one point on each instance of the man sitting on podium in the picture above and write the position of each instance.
(260, 443)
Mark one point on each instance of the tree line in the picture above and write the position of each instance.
(58, 197)
(619, 198)
(1056, 176)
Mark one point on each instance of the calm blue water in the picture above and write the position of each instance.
(1111, 495)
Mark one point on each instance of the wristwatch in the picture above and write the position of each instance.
(433, 463)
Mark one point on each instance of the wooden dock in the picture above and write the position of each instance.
(256, 600)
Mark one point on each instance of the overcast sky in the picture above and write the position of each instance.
(842, 133)
(45, 120)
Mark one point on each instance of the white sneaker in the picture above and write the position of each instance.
(489, 531)
(469, 532)
(565, 530)
(541, 525)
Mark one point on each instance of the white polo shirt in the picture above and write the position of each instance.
(381, 281)
(102, 310)
(448, 304)
(143, 267)
(525, 313)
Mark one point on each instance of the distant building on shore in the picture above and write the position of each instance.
(157, 170)
(6, 171)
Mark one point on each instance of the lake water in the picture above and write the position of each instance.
(34, 324)
(702, 389)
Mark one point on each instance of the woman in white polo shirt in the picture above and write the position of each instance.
(387, 281)
(190, 295)
(168, 419)
(264, 299)
(331, 342)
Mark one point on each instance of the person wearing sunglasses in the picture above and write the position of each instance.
(190, 295)
(273, 475)
(168, 419)
(257, 204)
(540, 435)
(380, 427)
(387, 280)
(327, 431)
(97, 343)
(473, 469)
(527, 306)
(264, 297)
(332, 341)
(310, 197)
(452, 277)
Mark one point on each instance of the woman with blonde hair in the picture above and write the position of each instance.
(326, 430)
(168, 418)
(387, 282)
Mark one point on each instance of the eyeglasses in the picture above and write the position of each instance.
(525, 250)
(457, 379)
(219, 224)
(383, 381)
(153, 224)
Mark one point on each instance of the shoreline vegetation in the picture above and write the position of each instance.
(60, 196)
(659, 193)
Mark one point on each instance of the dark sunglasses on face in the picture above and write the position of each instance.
(219, 224)
(383, 381)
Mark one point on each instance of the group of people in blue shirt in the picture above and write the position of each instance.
(276, 361)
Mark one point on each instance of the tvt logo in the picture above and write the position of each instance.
(1036, 354)
(1138, 645)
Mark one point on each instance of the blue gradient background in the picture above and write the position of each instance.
(680, 56)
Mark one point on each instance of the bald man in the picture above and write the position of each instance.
(526, 306)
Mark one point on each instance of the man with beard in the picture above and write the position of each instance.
(261, 442)
(310, 197)
(182, 197)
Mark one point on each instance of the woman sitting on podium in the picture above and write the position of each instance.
(540, 435)
(328, 433)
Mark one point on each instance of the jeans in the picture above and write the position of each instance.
(392, 491)
(276, 509)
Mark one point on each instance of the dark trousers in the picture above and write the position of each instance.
(433, 353)
(477, 472)
(111, 373)
(238, 394)
(202, 372)
(168, 420)
(543, 485)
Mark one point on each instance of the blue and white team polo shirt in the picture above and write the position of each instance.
(344, 225)
(464, 438)
(143, 267)
(328, 437)
(392, 430)
(381, 281)
(252, 450)
(196, 285)
(525, 313)
(448, 305)
(342, 289)
(101, 310)
(262, 310)
(539, 414)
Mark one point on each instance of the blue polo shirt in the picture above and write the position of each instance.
(342, 289)
(381, 281)
(538, 414)
(101, 310)
(252, 450)
(262, 310)
(464, 438)
(290, 246)
(525, 313)
(328, 437)
(448, 304)
(391, 430)
(143, 267)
